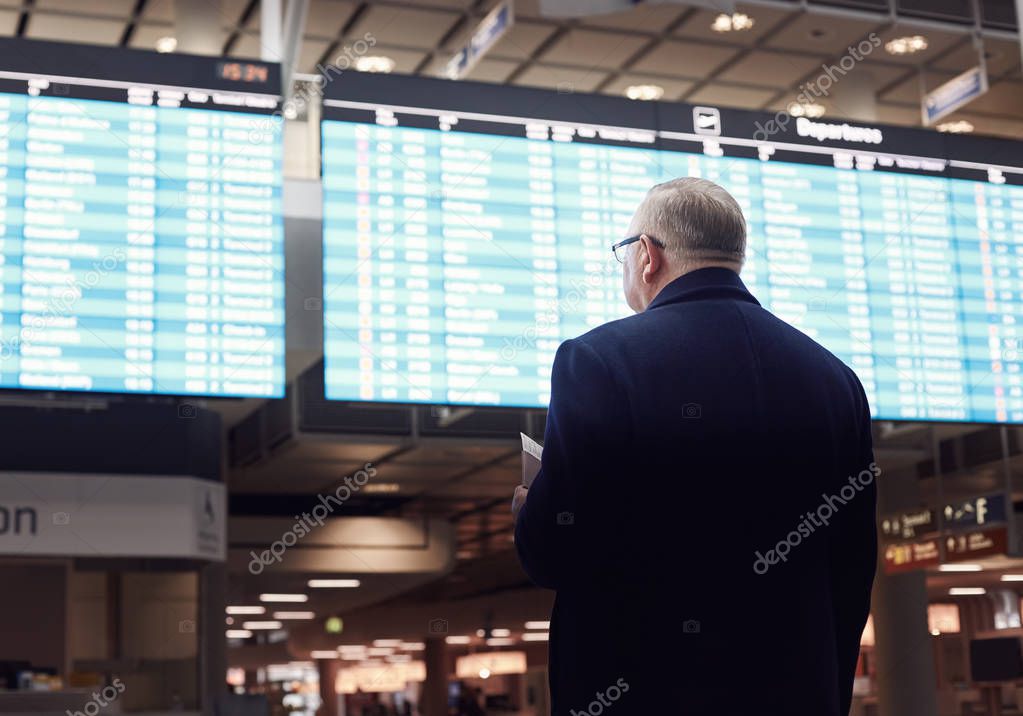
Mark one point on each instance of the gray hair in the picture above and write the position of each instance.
(696, 219)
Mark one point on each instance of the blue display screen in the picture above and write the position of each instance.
(461, 249)
(141, 238)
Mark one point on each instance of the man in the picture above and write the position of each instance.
(705, 506)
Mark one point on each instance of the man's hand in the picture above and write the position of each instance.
(518, 500)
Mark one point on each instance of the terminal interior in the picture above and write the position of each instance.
(319, 532)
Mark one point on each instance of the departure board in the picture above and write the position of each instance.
(141, 238)
(467, 233)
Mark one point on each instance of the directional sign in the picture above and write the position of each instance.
(909, 524)
(952, 95)
(908, 556)
(975, 512)
(968, 546)
(494, 25)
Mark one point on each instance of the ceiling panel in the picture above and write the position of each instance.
(673, 89)
(717, 93)
(821, 34)
(8, 22)
(764, 18)
(144, 36)
(520, 42)
(771, 69)
(325, 20)
(644, 18)
(1002, 56)
(115, 8)
(684, 59)
(1004, 98)
(937, 42)
(43, 26)
(310, 54)
(563, 79)
(404, 26)
(593, 48)
(159, 11)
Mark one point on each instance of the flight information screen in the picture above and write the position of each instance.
(141, 236)
(467, 233)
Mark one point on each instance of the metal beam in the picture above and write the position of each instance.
(294, 25)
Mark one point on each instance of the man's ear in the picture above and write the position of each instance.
(653, 258)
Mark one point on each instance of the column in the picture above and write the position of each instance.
(328, 669)
(433, 699)
(212, 661)
(903, 653)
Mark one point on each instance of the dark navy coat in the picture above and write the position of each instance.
(705, 512)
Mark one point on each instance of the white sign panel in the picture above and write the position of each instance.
(75, 515)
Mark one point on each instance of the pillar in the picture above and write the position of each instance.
(212, 636)
(328, 690)
(903, 654)
(433, 700)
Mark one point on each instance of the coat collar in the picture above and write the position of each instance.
(701, 284)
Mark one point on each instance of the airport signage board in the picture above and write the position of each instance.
(909, 556)
(909, 524)
(968, 546)
(89, 515)
(957, 92)
(975, 512)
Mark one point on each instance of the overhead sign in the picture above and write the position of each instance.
(975, 512)
(87, 515)
(908, 556)
(968, 546)
(952, 95)
(493, 27)
(910, 524)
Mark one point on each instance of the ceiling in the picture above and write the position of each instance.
(666, 44)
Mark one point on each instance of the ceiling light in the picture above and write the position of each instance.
(960, 568)
(238, 633)
(500, 632)
(736, 22)
(500, 642)
(284, 597)
(387, 642)
(966, 591)
(456, 639)
(1012, 577)
(906, 45)
(806, 109)
(413, 646)
(246, 610)
(167, 44)
(644, 92)
(379, 651)
(374, 63)
(294, 615)
(382, 487)
(263, 625)
(538, 625)
(536, 636)
(317, 654)
(334, 583)
(958, 127)
(484, 673)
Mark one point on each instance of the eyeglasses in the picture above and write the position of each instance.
(617, 248)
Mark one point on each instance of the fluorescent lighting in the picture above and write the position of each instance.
(334, 583)
(263, 625)
(536, 636)
(374, 63)
(167, 44)
(959, 127)
(456, 639)
(294, 615)
(1012, 577)
(644, 92)
(284, 597)
(413, 646)
(538, 625)
(238, 633)
(246, 610)
(960, 568)
(736, 22)
(379, 651)
(906, 45)
(966, 591)
(500, 632)
(500, 642)
(317, 654)
(387, 642)
(378, 487)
